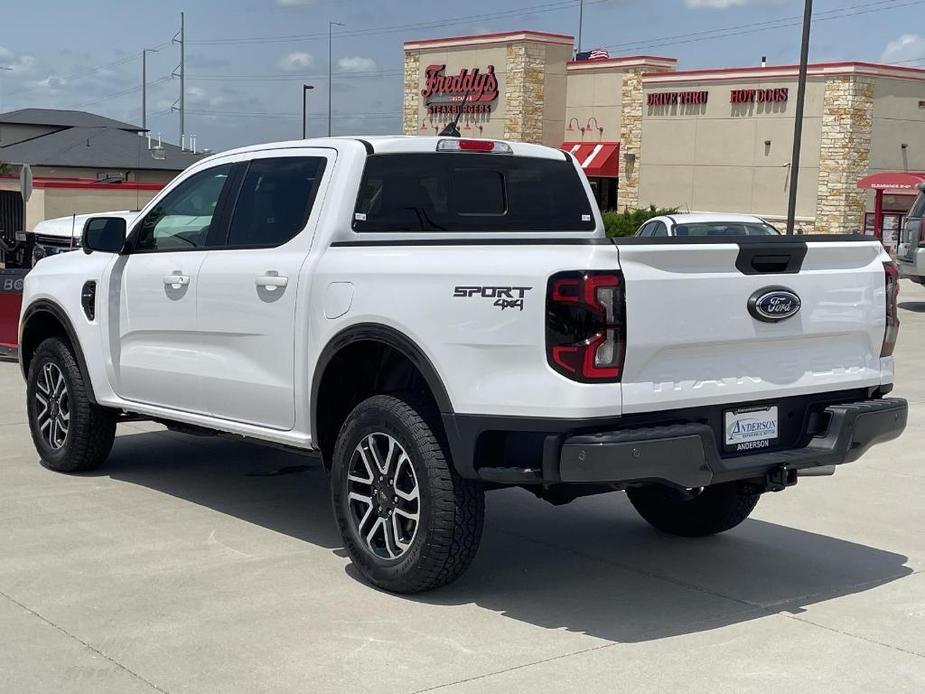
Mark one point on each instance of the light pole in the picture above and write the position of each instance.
(581, 12)
(144, 86)
(305, 90)
(331, 26)
(9, 69)
(798, 118)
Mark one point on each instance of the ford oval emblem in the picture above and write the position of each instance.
(773, 304)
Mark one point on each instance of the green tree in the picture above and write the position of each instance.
(5, 169)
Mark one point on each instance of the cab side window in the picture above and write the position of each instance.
(275, 201)
(660, 229)
(181, 220)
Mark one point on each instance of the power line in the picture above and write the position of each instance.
(285, 77)
(124, 92)
(768, 25)
(430, 24)
(85, 72)
(282, 115)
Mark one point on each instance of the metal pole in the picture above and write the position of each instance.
(144, 89)
(305, 89)
(581, 12)
(331, 26)
(144, 86)
(8, 69)
(798, 118)
(182, 76)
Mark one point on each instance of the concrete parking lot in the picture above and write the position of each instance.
(192, 564)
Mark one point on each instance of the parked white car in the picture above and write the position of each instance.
(63, 234)
(439, 316)
(706, 224)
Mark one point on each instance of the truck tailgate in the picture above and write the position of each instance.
(691, 339)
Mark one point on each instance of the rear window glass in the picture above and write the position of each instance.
(725, 229)
(275, 201)
(451, 191)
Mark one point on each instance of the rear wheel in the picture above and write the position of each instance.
(70, 433)
(409, 522)
(692, 513)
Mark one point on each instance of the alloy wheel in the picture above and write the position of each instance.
(383, 496)
(53, 412)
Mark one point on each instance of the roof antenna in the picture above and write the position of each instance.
(452, 128)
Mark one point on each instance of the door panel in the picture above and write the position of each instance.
(153, 343)
(248, 291)
(152, 293)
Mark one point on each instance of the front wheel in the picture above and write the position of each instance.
(409, 522)
(692, 513)
(70, 433)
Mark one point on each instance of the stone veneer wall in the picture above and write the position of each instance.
(412, 93)
(524, 92)
(844, 153)
(630, 139)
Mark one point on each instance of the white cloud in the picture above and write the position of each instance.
(908, 48)
(356, 64)
(295, 61)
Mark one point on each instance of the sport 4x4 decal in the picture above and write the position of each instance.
(505, 297)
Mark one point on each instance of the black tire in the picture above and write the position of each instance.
(713, 510)
(450, 509)
(90, 429)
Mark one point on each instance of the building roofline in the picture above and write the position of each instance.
(785, 71)
(622, 62)
(483, 39)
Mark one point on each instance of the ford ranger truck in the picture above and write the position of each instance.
(437, 317)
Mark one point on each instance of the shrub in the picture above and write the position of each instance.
(626, 223)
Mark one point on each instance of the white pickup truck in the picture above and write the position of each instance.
(441, 316)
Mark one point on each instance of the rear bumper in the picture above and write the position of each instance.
(674, 447)
(686, 454)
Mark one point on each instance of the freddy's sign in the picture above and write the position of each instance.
(480, 86)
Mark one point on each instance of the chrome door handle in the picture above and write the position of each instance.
(176, 280)
(271, 281)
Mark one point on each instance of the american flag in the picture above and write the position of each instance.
(596, 54)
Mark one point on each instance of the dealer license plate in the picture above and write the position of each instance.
(749, 429)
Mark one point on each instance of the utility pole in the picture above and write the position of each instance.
(331, 26)
(798, 118)
(180, 38)
(305, 90)
(144, 86)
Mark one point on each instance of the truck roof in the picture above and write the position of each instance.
(397, 144)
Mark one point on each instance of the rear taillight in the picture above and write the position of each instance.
(585, 329)
(891, 284)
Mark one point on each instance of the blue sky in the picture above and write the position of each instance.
(247, 59)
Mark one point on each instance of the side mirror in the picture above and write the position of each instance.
(104, 234)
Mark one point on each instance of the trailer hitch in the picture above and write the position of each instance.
(779, 478)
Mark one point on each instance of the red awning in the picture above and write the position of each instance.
(596, 158)
(894, 182)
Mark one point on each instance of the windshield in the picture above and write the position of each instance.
(725, 229)
(446, 191)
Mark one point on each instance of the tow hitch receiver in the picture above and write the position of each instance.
(780, 478)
